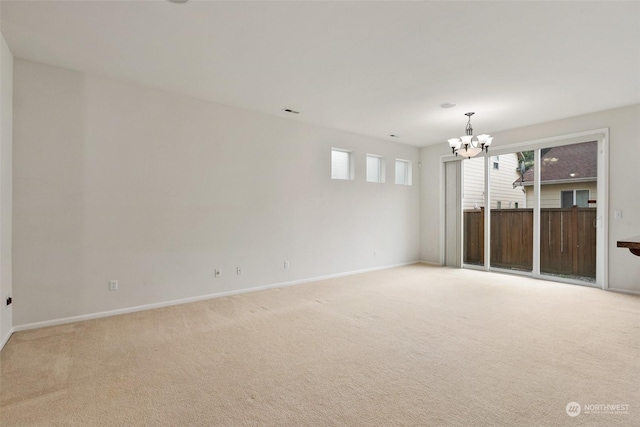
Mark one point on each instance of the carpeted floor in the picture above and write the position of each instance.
(416, 345)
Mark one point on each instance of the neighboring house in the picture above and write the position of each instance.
(503, 193)
(568, 177)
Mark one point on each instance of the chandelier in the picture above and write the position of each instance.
(468, 146)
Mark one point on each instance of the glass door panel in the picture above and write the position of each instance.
(568, 197)
(511, 187)
(473, 208)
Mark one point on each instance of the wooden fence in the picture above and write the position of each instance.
(567, 240)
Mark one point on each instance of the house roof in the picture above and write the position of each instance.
(567, 163)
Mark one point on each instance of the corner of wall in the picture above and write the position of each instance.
(6, 197)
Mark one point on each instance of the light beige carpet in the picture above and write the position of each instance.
(415, 345)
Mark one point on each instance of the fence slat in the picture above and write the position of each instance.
(567, 240)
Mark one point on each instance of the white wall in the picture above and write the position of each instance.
(502, 180)
(473, 183)
(6, 120)
(624, 151)
(550, 194)
(116, 181)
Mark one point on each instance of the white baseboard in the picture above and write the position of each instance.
(98, 315)
(5, 339)
(623, 291)
(436, 264)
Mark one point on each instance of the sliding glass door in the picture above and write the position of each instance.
(539, 210)
(473, 211)
(511, 238)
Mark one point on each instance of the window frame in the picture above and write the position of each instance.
(408, 172)
(351, 165)
(495, 162)
(575, 197)
(381, 168)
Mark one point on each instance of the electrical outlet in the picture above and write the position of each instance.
(238, 271)
(113, 285)
(286, 265)
(617, 214)
(218, 273)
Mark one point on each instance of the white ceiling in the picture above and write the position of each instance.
(373, 68)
